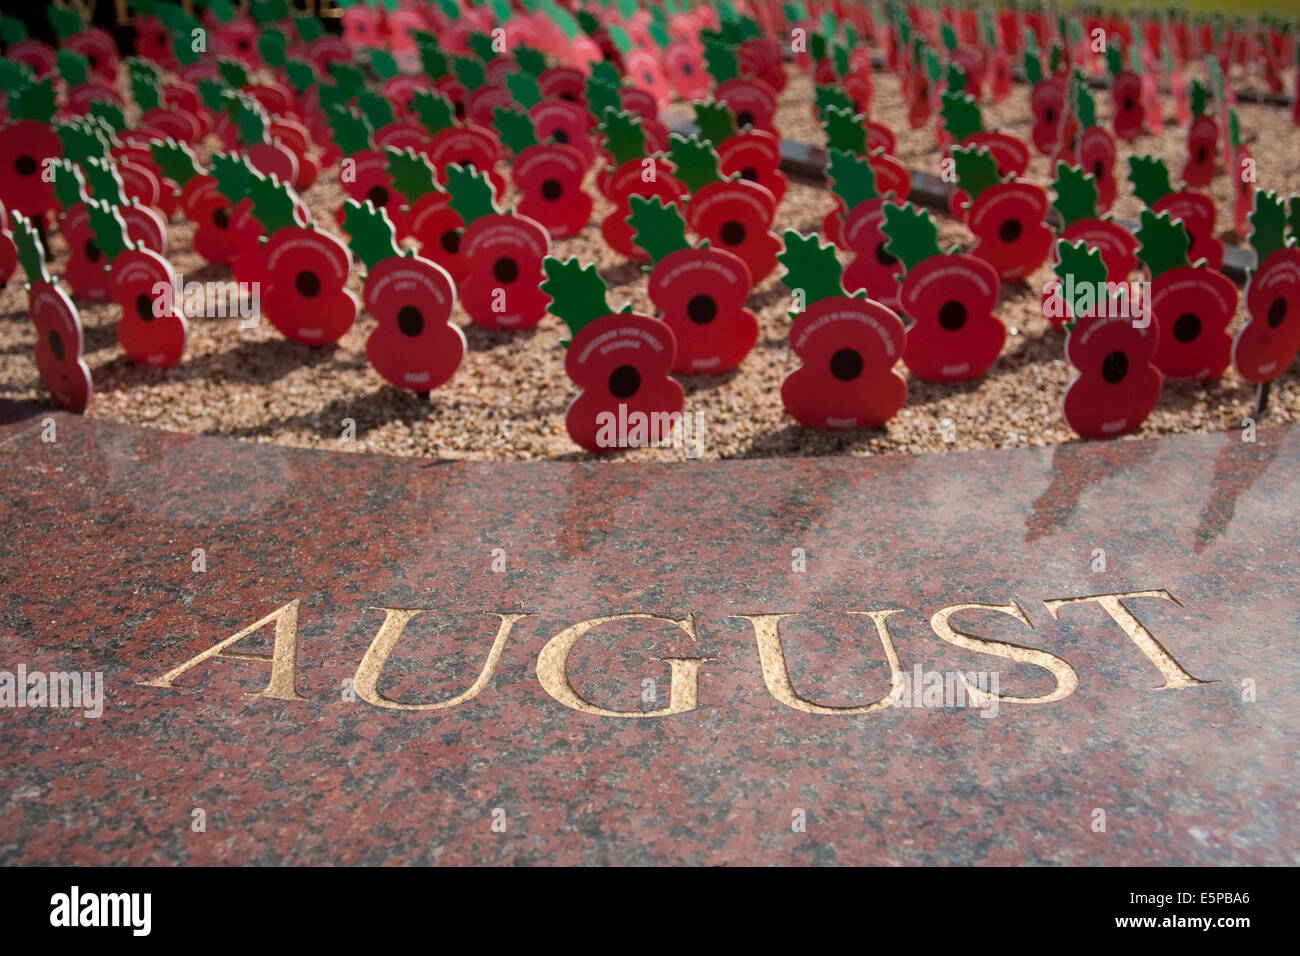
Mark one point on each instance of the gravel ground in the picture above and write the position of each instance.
(508, 399)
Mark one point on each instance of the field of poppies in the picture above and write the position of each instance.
(518, 230)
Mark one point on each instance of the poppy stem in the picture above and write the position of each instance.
(1261, 398)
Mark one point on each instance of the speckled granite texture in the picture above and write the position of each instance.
(97, 566)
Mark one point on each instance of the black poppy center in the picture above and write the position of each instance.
(1010, 230)
(1200, 156)
(410, 321)
(378, 195)
(1050, 115)
(221, 218)
(144, 307)
(25, 165)
(1276, 312)
(307, 283)
(952, 315)
(732, 233)
(1188, 327)
(750, 173)
(701, 309)
(624, 381)
(883, 256)
(459, 109)
(505, 269)
(846, 364)
(1129, 103)
(560, 136)
(1099, 170)
(450, 241)
(1114, 367)
(92, 251)
(569, 96)
(745, 118)
(552, 190)
(56, 346)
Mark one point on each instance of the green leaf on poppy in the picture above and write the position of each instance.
(72, 66)
(30, 252)
(471, 193)
(411, 172)
(955, 79)
(212, 92)
(577, 294)
(65, 20)
(913, 236)
(480, 44)
(1076, 193)
(961, 115)
(515, 129)
(933, 66)
(817, 47)
(81, 141)
(309, 28)
(1293, 217)
(103, 181)
(35, 102)
(383, 63)
(1033, 61)
(301, 75)
(949, 34)
(602, 96)
(351, 130)
(434, 111)
(1215, 72)
(1200, 96)
(696, 162)
(223, 10)
(1163, 243)
(232, 173)
(1079, 268)
(12, 30)
(619, 37)
(658, 229)
(607, 72)
(852, 178)
(1268, 224)
(845, 129)
(977, 170)
(1084, 104)
(1234, 128)
(811, 266)
(826, 95)
(1114, 56)
(69, 185)
(145, 91)
(588, 22)
(433, 60)
(233, 72)
(377, 110)
(721, 61)
(348, 78)
(469, 72)
(716, 121)
(524, 88)
(1150, 178)
(271, 45)
(623, 136)
(250, 116)
(176, 161)
(14, 76)
(264, 11)
(109, 114)
(840, 54)
(108, 228)
(1056, 59)
(531, 61)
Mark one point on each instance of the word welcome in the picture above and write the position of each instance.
(553, 661)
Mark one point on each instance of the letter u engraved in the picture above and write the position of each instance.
(771, 656)
(366, 682)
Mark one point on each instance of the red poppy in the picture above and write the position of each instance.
(1116, 244)
(151, 329)
(294, 137)
(209, 210)
(1152, 105)
(752, 102)
(1197, 212)
(565, 123)
(35, 54)
(621, 364)
(1007, 220)
(627, 181)
(369, 180)
(563, 83)
(684, 65)
(163, 122)
(755, 156)
(1126, 95)
(59, 345)
(303, 292)
(276, 98)
(502, 291)
(1193, 306)
(472, 147)
(482, 104)
(872, 268)
(765, 57)
(550, 177)
(439, 229)
(1010, 153)
(1117, 386)
(153, 41)
(736, 216)
(400, 90)
(1097, 156)
(238, 39)
(24, 147)
(1047, 102)
(415, 345)
(100, 50)
(956, 335)
(643, 69)
(1268, 342)
(891, 177)
(1001, 75)
(1202, 152)
(701, 294)
(81, 98)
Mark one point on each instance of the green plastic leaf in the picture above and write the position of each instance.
(716, 121)
(72, 66)
(383, 63)
(1033, 61)
(271, 45)
(12, 30)
(145, 91)
(961, 115)
(108, 228)
(623, 136)
(658, 229)
(81, 141)
(411, 172)
(1293, 217)
(35, 102)
(1234, 127)
(30, 251)
(348, 78)
(933, 66)
(515, 129)
(696, 162)
(69, 185)
(65, 20)
(434, 111)
(175, 161)
(109, 114)
(301, 75)
(1150, 178)
(949, 35)
(469, 72)
(471, 193)
(233, 72)
(602, 96)
(1076, 193)
(852, 178)
(811, 266)
(977, 170)
(531, 61)
(955, 79)
(14, 76)
(840, 56)
(351, 130)
(825, 96)
(523, 87)
(1163, 243)
(721, 61)
(913, 236)
(1199, 96)
(265, 11)
(845, 129)
(1079, 267)
(1114, 56)
(212, 93)
(480, 44)
(1268, 224)
(607, 72)
(232, 173)
(251, 119)
(273, 203)
(432, 59)
(577, 294)
(1084, 104)
(103, 181)
(376, 109)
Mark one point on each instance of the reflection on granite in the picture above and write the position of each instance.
(98, 561)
